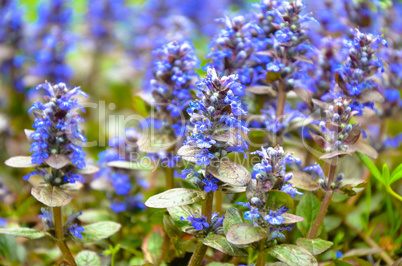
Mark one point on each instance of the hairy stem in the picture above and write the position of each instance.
(198, 255)
(262, 254)
(218, 201)
(325, 203)
(281, 101)
(169, 177)
(58, 224)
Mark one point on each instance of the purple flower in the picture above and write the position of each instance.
(274, 217)
(76, 230)
(198, 223)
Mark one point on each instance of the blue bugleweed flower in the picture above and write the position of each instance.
(3, 222)
(273, 124)
(200, 223)
(232, 50)
(54, 13)
(276, 232)
(47, 217)
(11, 37)
(252, 215)
(355, 76)
(76, 230)
(291, 190)
(315, 170)
(57, 134)
(103, 17)
(210, 183)
(216, 113)
(122, 148)
(274, 217)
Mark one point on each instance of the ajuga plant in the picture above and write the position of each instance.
(339, 138)
(118, 164)
(59, 162)
(169, 93)
(270, 197)
(216, 130)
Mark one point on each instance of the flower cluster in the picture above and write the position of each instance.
(276, 126)
(338, 132)
(122, 148)
(172, 82)
(11, 36)
(270, 174)
(58, 138)
(216, 119)
(200, 223)
(316, 171)
(233, 49)
(70, 228)
(102, 18)
(355, 76)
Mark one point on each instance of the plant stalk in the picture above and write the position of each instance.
(218, 201)
(58, 224)
(198, 255)
(169, 177)
(262, 254)
(325, 203)
(281, 101)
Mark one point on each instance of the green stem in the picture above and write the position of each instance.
(169, 177)
(281, 101)
(325, 203)
(198, 255)
(218, 201)
(58, 224)
(262, 254)
(393, 193)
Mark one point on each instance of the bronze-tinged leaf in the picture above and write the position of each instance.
(336, 153)
(88, 170)
(51, 196)
(320, 141)
(304, 181)
(303, 58)
(291, 218)
(28, 135)
(226, 137)
(305, 96)
(20, 162)
(220, 243)
(353, 135)
(58, 161)
(156, 143)
(232, 217)
(176, 197)
(322, 105)
(262, 90)
(188, 152)
(268, 53)
(229, 172)
(243, 234)
(333, 127)
(227, 189)
(339, 80)
(371, 96)
(314, 246)
(366, 149)
(293, 255)
(338, 109)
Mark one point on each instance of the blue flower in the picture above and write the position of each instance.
(252, 214)
(315, 170)
(339, 254)
(210, 183)
(49, 137)
(3, 222)
(274, 217)
(76, 230)
(204, 157)
(198, 223)
(275, 66)
(47, 217)
(291, 190)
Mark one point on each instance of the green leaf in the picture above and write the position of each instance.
(87, 257)
(232, 216)
(342, 263)
(140, 107)
(12, 251)
(314, 246)
(308, 208)
(51, 196)
(171, 227)
(276, 199)
(230, 173)
(152, 247)
(95, 215)
(242, 234)
(371, 166)
(220, 243)
(181, 211)
(385, 174)
(20, 162)
(291, 218)
(176, 197)
(359, 252)
(292, 255)
(97, 231)
(22, 232)
(396, 174)
(132, 165)
(156, 143)
(188, 152)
